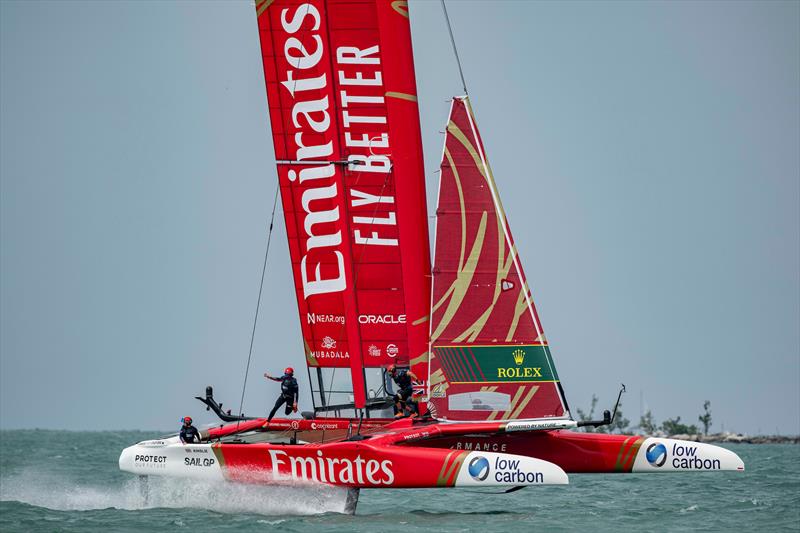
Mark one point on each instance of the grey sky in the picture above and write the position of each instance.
(646, 153)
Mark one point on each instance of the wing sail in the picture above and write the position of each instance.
(342, 105)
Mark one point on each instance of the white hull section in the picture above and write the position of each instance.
(487, 469)
(670, 455)
(170, 457)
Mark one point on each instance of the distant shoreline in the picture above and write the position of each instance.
(725, 438)
(716, 438)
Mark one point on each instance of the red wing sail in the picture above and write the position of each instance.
(490, 359)
(342, 102)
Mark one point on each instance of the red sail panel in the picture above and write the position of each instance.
(490, 358)
(407, 163)
(341, 142)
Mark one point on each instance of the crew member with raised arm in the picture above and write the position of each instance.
(289, 392)
(189, 433)
(404, 397)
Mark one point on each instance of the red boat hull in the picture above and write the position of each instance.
(573, 451)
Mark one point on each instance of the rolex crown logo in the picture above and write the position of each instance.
(519, 356)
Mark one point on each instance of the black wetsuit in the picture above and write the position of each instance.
(406, 392)
(189, 435)
(289, 394)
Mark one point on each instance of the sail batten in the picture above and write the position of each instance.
(489, 356)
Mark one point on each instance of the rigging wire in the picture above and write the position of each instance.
(264, 267)
(455, 49)
(258, 303)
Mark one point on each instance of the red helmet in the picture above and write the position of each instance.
(187, 419)
(289, 370)
(391, 368)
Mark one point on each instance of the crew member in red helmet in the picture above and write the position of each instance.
(189, 433)
(289, 392)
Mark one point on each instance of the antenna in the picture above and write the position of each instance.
(608, 417)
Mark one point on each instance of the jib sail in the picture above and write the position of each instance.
(490, 359)
(343, 107)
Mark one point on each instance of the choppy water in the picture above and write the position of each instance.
(69, 481)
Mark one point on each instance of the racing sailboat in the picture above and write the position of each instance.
(343, 108)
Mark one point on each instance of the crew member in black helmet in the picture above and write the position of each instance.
(289, 391)
(189, 433)
(404, 397)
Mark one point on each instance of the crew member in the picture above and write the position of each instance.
(289, 392)
(404, 397)
(189, 433)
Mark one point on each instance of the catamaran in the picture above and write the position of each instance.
(345, 122)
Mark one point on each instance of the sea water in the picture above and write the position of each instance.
(69, 481)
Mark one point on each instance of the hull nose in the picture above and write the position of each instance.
(126, 459)
(672, 455)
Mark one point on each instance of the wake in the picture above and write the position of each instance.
(61, 494)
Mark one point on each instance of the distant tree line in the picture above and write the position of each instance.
(647, 423)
